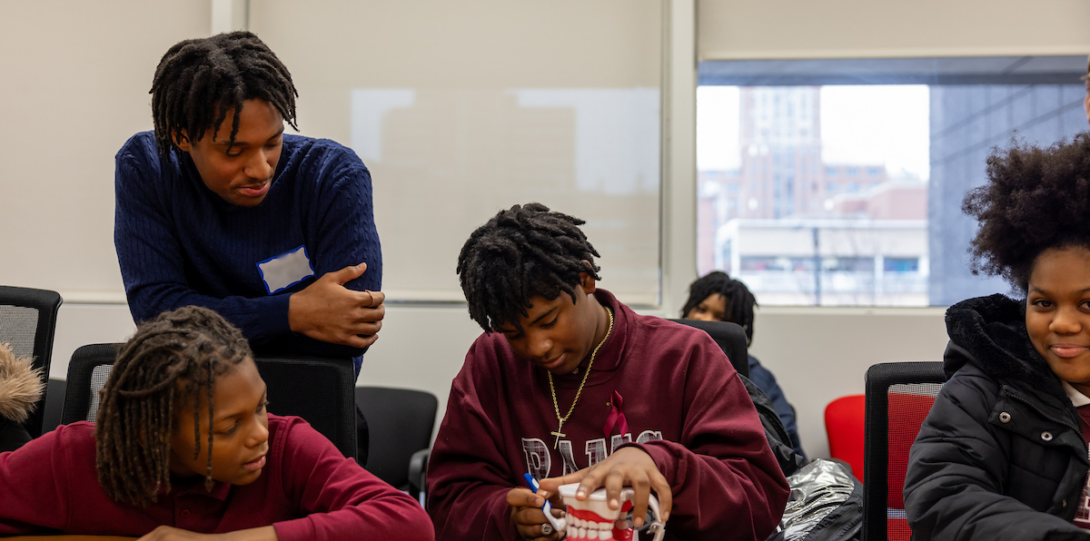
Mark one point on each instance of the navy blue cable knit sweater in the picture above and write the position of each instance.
(179, 244)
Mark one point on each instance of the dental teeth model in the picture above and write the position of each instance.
(593, 519)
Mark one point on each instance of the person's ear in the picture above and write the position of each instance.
(586, 281)
(181, 139)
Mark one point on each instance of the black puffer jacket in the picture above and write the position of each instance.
(1001, 454)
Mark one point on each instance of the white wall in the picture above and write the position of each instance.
(819, 354)
(74, 81)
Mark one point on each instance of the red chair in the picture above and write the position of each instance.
(899, 397)
(845, 418)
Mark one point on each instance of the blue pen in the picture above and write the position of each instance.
(558, 524)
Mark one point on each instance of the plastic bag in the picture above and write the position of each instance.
(826, 504)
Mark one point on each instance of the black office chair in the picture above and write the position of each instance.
(899, 397)
(55, 390)
(731, 338)
(319, 390)
(401, 422)
(28, 321)
(87, 374)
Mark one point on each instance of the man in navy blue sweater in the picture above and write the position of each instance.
(219, 208)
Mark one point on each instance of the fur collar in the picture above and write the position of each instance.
(990, 333)
(20, 385)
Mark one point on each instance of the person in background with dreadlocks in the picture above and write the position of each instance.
(570, 385)
(218, 207)
(184, 445)
(718, 297)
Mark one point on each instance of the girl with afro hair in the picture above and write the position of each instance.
(1003, 453)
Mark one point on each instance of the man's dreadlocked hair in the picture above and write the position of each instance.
(166, 364)
(739, 299)
(522, 252)
(199, 80)
(1035, 199)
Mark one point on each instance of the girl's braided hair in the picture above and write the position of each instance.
(166, 365)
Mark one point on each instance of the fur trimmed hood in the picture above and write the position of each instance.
(990, 333)
(21, 385)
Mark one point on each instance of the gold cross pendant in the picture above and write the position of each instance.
(558, 435)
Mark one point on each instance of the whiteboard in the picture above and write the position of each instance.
(462, 109)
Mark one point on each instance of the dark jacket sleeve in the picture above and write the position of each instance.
(726, 482)
(957, 468)
(12, 435)
(767, 383)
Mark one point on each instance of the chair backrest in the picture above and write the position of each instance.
(56, 388)
(28, 321)
(899, 397)
(87, 374)
(319, 390)
(731, 338)
(845, 425)
(400, 423)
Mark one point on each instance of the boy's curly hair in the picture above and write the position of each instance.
(1035, 199)
(522, 252)
(740, 300)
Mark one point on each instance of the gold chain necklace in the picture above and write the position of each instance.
(552, 389)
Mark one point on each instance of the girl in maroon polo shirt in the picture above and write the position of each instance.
(184, 446)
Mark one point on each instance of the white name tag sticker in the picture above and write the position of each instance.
(285, 270)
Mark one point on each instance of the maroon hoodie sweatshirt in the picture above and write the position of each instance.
(684, 405)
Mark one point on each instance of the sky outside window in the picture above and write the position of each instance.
(886, 124)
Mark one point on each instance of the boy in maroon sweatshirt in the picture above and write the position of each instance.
(570, 385)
